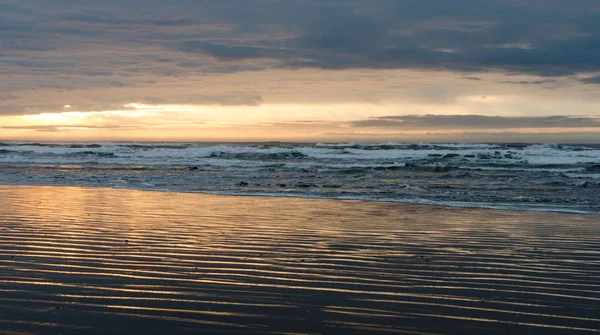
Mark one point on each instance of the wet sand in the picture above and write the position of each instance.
(77, 260)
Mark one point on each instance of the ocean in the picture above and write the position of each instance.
(540, 177)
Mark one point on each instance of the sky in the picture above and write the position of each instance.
(300, 70)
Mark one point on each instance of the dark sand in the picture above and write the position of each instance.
(76, 260)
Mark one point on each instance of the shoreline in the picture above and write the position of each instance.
(421, 202)
(96, 260)
(543, 178)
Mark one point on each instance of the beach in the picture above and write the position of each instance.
(98, 260)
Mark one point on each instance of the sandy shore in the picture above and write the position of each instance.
(76, 260)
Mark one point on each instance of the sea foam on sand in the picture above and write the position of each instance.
(77, 260)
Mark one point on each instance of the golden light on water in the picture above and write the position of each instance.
(175, 261)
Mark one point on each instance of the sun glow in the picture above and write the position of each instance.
(268, 121)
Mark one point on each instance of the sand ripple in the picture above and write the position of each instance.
(77, 260)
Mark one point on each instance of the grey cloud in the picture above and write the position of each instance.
(234, 99)
(154, 100)
(591, 80)
(97, 73)
(116, 83)
(250, 100)
(523, 137)
(56, 45)
(561, 37)
(25, 109)
(189, 64)
(110, 18)
(120, 103)
(342, 132)
(57, 128)
(225, 69)
(230, 52)
(30, 63)
(529, 82)
(78, 17)
(477, 121)
(515, 37)
(29, 109)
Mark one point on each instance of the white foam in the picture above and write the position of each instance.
(322, 154)
(548, 154)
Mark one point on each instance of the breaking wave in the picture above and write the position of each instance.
(551, 176)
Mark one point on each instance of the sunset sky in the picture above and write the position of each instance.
(300, 70)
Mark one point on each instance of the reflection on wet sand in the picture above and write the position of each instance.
(79, 260)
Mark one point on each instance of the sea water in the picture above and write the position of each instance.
(544, 177)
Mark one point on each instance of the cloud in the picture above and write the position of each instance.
(239, 100)
(540, 37)
(591, 80)
(544, 38)
(231, 52)
(235, 99)
(117, 103)
(529, 82)
(477, 122)
(58, 128)
(111, 53)
(30, 109)
(26, 109)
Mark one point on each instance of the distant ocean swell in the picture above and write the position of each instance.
(548, 177)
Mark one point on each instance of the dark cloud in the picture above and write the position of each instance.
(88, 44)
(229, 52)
(544, 38)
(541, 37)
(340, 131)
(529, 82)
(591, 80)
(520, 137)
(477, 121)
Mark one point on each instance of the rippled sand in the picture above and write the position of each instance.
(77, 260)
